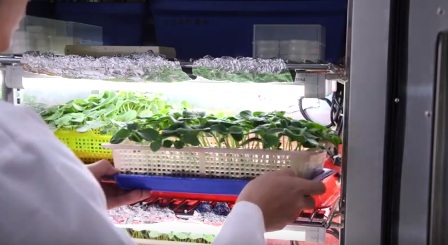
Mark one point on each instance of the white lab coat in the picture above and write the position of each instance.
(48, 196)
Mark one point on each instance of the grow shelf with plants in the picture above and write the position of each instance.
(85, 124)
(242, 146)
(190, 220)
(198, 156)
(43, 79)
(91, 102)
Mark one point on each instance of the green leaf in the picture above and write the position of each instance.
(128, 116)
(209, 238)
(120, 136)
(154, 234)
(195, 236)
(186, 105)
(169, 133)
(237, 137)
(335, 140)
(245, 114)
(132, 126)
(270, 140)
(258, 114)
(188, 114)
(183, 131)
(181, 235)
(280, 114)
(145, 114)
(179, 144)
(167, 143)
(91, 125)
(237, 133)
(176, 125)
(83, 129)
(78, 117)
(78, 107)
(53, 116)
(219, 128)
(284, 123)
(258, 130)
(236, 130)
(312, 141)
(275, 131)
(155, 146)
(149, 134)
(176, 115)
(135, 137)
(248, 141)
(191, 139)
(297, 123)
(299, 138)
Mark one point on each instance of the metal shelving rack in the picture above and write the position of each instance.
(312, 225)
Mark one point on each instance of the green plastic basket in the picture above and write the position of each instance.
(86, 146)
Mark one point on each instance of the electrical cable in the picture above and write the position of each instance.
(336, 118)
(337, 111)
(334, 232)
(305, 115)
(336, 107)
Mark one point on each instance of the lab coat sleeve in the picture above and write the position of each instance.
(244, 225)
(47, 195)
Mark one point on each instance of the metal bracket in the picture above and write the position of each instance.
(13, 77)
(316, 84)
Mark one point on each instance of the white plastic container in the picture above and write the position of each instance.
(299, 50)
(47, 35)
(295, 42)
(300, 46)
(298, 57)
(267, 49)
(234, 163)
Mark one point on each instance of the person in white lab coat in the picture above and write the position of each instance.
(48, 196)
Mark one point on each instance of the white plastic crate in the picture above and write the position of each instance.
(216, 162)
(290, 42)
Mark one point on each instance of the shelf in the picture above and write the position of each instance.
(202, 93)
(160, 242)
(293, 232)
(310, 226)
(56, 81)
(326, 68)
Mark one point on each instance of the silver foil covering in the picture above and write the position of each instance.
(148, 214)
(243, 65)
(132, 68)
(142, 213)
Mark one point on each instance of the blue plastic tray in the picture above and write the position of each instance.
(181, 184)
(208, 186)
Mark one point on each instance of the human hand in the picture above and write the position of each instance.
(114, 195)
(281, 195)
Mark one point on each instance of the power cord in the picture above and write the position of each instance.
(305, 115)
(334, 232)
(337, 111)
(336, 117)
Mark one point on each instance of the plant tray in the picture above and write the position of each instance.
(210, 186)
(86, 146)
(212, 162)
(206, 186)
